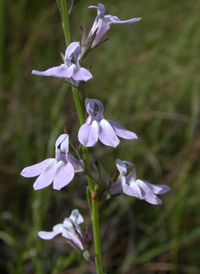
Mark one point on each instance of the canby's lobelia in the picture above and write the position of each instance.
(92, 127)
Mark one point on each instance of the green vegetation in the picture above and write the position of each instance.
(147, 76)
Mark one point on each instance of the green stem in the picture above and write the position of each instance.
(78, 103)
(95, 223)
(89, 198)
(81, 115)
(65, 23)
(65, 20)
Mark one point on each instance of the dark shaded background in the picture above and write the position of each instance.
(148, 78)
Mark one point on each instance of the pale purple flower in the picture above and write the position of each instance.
(96, 127)
(70, 230)
(71, 69)
(60, 170)
(131, 186)
(103, 23)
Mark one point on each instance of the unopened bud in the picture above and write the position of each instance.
(86, 255)
(106, 195)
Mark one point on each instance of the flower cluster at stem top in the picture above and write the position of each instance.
(71, 70)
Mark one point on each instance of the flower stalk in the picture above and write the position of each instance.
(81, 116)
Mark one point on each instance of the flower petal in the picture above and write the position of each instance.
(46, 177)
(122, 132)
(116, 188)
(147, 193)
(81, 74)
(89, 105)
(74, 48)
(110, 19)
(74, 220)
(35, 170)
(99, 115)
(70, 71)
(107, 135)
(103, 28)
(88, 134)
(63, 175)
(76, 216)
(72, 235)
(100, 8)
(132, 190)
(93, 7)
(131, 177)
(158, 189)
(121, 166)
(128, 164)
(61, 139)
(77, 165)
(65, 144)
(50, 235)
(59, 72)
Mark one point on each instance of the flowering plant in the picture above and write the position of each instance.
(62, 169)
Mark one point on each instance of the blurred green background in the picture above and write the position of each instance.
(148, 77)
